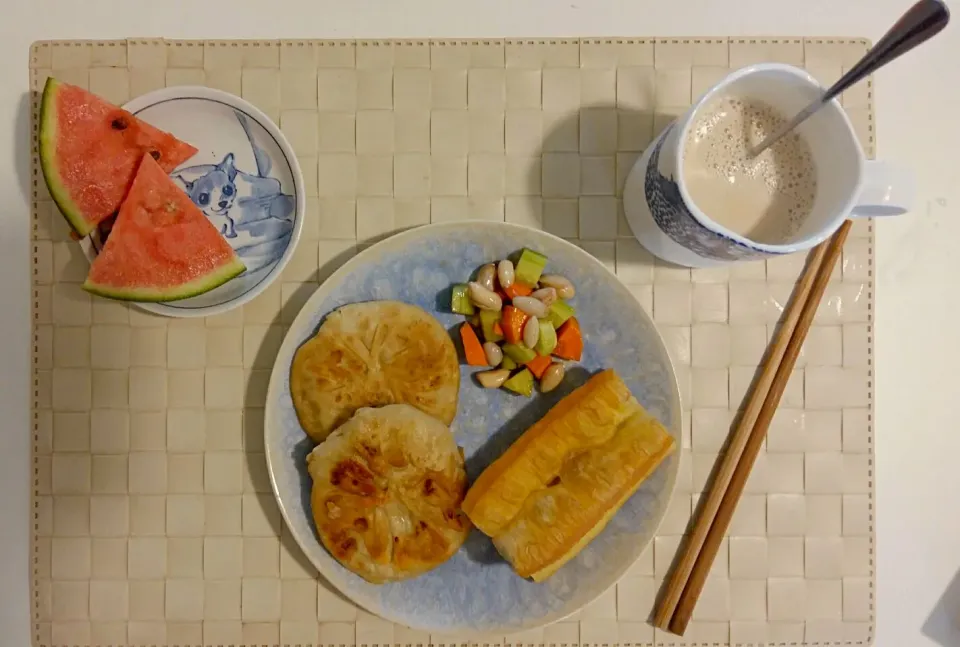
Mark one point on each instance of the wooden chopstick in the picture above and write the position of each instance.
(690, 573)
(734, 450)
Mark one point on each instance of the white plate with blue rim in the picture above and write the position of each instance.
(476, 591)
(245, 179)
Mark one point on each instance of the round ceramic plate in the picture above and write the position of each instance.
(476, 590)
(245, 178)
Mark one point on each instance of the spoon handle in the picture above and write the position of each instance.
(922, 21)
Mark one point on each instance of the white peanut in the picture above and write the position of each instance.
(493, 353)
(552, 377)
(530, 306)
(563, 286)
(485, 276)
(483, 298)
(493, 379)
(505, 273)
(531, 332)
(547, 295)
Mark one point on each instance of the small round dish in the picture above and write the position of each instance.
(476, 591)
(245, 178)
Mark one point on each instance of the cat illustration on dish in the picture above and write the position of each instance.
(249, 209)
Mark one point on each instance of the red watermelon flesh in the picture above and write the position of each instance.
(161, 246)
(90, 151)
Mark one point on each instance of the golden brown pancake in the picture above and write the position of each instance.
(387, 488)
(372, 354)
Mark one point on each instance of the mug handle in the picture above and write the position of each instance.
(888, 190)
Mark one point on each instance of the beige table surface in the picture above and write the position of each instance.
(918, 531)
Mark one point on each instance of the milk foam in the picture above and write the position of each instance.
(763, 198)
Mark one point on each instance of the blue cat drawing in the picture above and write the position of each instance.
(249, 209)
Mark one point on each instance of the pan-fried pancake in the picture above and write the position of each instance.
(372, 354)
(387, 488)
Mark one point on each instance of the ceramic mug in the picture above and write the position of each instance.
(666, 221)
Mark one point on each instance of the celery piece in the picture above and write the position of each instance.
(521, 383)
(530, 267)
(519, 354)
(559, 312)
(488, 318)
(460, 301)
(508, 363)
(547, 340)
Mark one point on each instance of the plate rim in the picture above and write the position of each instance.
(149, 99)
(311, 306)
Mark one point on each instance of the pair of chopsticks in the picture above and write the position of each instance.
(690, 572)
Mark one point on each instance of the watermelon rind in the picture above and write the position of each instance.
(48, 160)
(192, 288)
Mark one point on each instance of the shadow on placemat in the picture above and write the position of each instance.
(585, 158)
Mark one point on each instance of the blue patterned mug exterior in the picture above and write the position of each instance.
(476, 591)
(670, 225)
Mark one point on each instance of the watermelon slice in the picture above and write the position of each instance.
(161, 246)
(90, 151)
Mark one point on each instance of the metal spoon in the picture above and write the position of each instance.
(921, 22)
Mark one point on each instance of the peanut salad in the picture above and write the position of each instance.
(519, 324)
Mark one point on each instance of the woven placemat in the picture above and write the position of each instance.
(153, 521)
